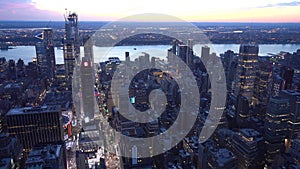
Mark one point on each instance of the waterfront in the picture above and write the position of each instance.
(27, 53)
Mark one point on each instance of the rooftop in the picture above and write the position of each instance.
(33, 110)
(44, 153)
(223, 156)
(250, 132)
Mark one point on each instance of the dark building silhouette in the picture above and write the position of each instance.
(205, 54)
(11, 70)
(287, 74)
(45, 54)
(294, 113)
(21, 71)
(276, 127)
(243, 113)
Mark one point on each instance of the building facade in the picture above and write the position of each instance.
(71, 43)
(246, 71)
(34, 125)
(45, 54)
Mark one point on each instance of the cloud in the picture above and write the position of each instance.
(283, 4)
(25, 10)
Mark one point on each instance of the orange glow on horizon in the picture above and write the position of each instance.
(251, 15)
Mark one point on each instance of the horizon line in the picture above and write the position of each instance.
(268, 22)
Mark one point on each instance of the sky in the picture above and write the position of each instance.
(187, 10)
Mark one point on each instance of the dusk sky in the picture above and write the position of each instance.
(189, 10)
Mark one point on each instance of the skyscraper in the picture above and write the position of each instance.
(246, 71)
(11, 70)
(287, 74)
(205, 54)
(190, 52)
(35, 125)
(182, 52)
(229, 62)
(262, 84)
(45, 54)
(71, 43)
(294, 113)
(276, 127)
(87, 81)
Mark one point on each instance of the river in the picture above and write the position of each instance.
(27, 53)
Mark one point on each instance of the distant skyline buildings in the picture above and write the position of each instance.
(214, 11)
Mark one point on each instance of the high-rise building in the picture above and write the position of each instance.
(248, 146)
(127, 57)
(287, 74)
(11, 70)
(205, 54)
(228, 60)
(294, 113)
(262, 85)
(246, 71)
(190, 52)
(169, 56)
(284, 78)
(276, 128)
(88, 81)
(174, 47)
(144, 60)
(33, 125)
(183, 52)
(20, 68)
(3, 69)
(243, 113)
(71, 43)
(45, 54)
(276, 86)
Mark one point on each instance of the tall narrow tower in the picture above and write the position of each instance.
(87, 81)
(71, 43)
(246, 71)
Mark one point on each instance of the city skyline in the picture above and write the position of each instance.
(167, 97)
(195, 11)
